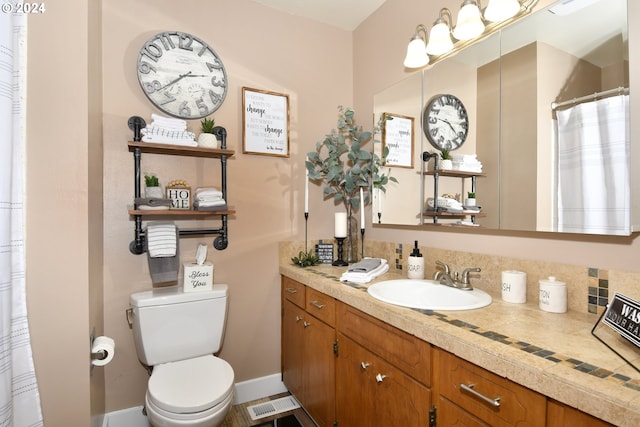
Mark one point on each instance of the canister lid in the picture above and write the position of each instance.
(551, 281)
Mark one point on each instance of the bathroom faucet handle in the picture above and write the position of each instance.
(465, 274)
(445, 266)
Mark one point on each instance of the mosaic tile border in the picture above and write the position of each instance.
(550, 355)
(598, 294)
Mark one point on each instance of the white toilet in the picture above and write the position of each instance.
(176, 334)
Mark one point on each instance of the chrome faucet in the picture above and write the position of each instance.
(444, 276)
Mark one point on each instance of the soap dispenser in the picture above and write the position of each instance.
(415, 265)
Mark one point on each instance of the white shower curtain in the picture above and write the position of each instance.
(19, 397)
(593, 167)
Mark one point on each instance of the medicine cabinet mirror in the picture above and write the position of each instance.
(509, 83)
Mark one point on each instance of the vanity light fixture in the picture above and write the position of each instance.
(469, 24)
(416, 51)
(440, 36)
(473, 24)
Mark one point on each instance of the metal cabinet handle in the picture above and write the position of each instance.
(291, 290)
(298, 318)
(364, 365)
(306, 324)
(380, 377)
(317, 305)
(469, 388)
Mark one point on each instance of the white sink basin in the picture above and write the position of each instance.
(428, 295)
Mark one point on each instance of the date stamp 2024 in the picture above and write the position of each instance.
(23, 8)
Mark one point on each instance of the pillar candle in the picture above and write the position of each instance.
(361, 209)
(341, 224)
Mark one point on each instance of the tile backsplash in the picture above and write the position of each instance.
(589, 287)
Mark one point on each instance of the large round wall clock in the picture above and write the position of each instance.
(182, 75)
(445, 122)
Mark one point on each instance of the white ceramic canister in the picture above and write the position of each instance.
(514, 286)
(553, 295)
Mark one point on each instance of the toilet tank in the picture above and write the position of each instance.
(170, 324)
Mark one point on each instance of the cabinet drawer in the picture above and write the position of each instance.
(405, 351)
(293, 291)
(515, 405)
(321, 306)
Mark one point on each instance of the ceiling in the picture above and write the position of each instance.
(344, 14)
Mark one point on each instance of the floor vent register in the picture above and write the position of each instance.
(272, 407)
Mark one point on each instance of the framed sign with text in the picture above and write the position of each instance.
(265, 122)
(397, 135)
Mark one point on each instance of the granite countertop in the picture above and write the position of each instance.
(553, 354)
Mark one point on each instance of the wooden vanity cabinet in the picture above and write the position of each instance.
(464, 391)
(308, 349)
(561, 415)
(382, 374)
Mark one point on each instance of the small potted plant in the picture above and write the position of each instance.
(207, 139)
(471, 199)
(447, 162)
(152, 188)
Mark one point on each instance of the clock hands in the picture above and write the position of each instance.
(180, 77)
(449, 123)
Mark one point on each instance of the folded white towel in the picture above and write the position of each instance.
(161, 240)
(209, 203)
(207, 191)
(362, 277)
(444, 202)
(172, 141)
(171, 122)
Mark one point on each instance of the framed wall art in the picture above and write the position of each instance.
(398, 136)
(265, 122)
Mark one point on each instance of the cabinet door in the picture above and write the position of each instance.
(559, 415)
(448, 414)
(292, 347)
(371, 392)
(319, 367)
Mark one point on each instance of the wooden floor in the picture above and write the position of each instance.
(239, 416)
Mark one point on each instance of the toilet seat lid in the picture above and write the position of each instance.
(191, 385)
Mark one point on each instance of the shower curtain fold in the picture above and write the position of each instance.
(593, 167)
(19, 397)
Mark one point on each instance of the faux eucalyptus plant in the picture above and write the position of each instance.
(342, 164)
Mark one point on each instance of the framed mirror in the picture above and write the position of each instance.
(514, 85)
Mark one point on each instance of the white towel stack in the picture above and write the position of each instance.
(355, 275)
(161, 240)
(165, 130)
(466, 163)
(207, 198)
(446, 203)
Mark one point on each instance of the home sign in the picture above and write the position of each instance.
(179, 192)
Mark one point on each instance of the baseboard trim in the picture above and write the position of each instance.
(245, 391)
(258, 388)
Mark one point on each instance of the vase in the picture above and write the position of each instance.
(207, 140)
(446, 165)
(351, 242)
(153, 193)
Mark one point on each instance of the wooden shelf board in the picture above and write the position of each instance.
(179, 212)
(179, 150)
(455, 174)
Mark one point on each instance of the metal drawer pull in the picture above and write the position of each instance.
(469, 388)
(316, 304)
(306, 324)
(291, 290)
(380, 377)
(298, 318)
(364, 365)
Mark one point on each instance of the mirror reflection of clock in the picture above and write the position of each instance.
(181, 75)
(445, 122)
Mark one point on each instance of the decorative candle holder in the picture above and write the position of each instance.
(362, 241)
(340, 262)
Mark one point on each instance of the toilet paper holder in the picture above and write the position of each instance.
(99, 355)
